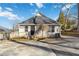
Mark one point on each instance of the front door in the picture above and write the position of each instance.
(32, 30)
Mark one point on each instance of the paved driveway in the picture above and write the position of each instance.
(9, 48)
(67, 45)
(48, 47)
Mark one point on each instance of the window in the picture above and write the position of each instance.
(51, 28)
(26, 28)
(33, 27)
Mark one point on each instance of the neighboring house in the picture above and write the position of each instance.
(38, 26)
(3, 32)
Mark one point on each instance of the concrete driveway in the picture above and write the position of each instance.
(65, 46)
(9, 48)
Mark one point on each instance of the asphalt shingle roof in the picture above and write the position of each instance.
(39, 19)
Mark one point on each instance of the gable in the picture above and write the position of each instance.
(39, 19)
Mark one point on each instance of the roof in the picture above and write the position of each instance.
(39, 19)
(4, 29)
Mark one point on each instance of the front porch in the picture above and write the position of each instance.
(39, 31)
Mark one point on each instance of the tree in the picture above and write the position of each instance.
(61, 20)
(68, 26)
(64, 21)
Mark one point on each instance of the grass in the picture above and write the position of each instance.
(70, 33)
(23, 39)
(19, 39)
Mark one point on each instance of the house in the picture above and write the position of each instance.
(38, 26)
(3, 32)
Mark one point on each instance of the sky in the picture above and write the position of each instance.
(12, 13)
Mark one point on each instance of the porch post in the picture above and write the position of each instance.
(29, 29)
(35, 31)
(57, 31)
(35, 27)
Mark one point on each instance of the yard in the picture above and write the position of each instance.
(70, 33)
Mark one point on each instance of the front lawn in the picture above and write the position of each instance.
(19, 39)
(70, 33)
